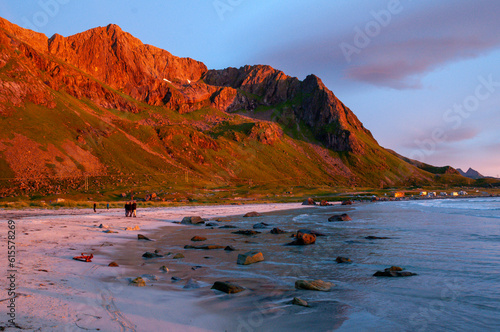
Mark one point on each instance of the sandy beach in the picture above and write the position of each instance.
(56, 293)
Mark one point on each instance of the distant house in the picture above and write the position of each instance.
(431, 194)
(462, 193)
(454, 193)
(423, 193)
(399, 194)
(443, 194)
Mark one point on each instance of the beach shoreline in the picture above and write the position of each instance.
(59, 293)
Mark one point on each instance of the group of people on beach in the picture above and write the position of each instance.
(131, 209)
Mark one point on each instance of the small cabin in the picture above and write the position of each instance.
(454, 193)
(423, 193)
(462, 193)
(399, 194)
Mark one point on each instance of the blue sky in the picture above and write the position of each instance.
(421, 75)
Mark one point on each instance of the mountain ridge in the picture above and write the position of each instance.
(106, 91)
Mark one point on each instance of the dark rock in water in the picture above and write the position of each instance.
(229, 248)
(340, 217)
(227, 287)
(211, 224)
(250, 258)
(175, 279)
(198, 238)
(324, 203)
(342, 260)
(304, 237)
(309, 201)
(299, 301)
(191, 284)
(204, 247)
(252, 214)
(246, 232)
(305, 230)
(227, 226)
(277, 231)
(194, 220)
(394, 271)
(142, 237)
(148, 254)
(113, 264)
(178, 256)
(316, 285)
(194, 268)
(260, 225)
(377, 238)
(348, 202)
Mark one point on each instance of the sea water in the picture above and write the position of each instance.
(453, 245)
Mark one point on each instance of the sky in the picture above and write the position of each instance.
(422, 76)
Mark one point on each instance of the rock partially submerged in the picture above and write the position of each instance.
(193, 220)
(227, 287)
(227, 226)
(143, 237)
(316, 285)
(394, 271)
(250, 258)
(113, 264)
(191, 284)
(178, 256)
(324, 203)
(277, 231)
(348, 202)
(252, 214)
(204, 247)
(376, 237)
(303, 237)
(198, 238)
(299, 301)
(341, 260)
(229, 248)
(260, 225)
(246, 232)
(340, 217)
(148, 254)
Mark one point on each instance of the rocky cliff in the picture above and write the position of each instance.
(82, 101)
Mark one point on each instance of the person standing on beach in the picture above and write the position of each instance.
(127, 209)
(95, 206)
(134, 209)
(107, 206)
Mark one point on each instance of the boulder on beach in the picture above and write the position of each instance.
(277, 231)
(163, 268)
(252, 214)
(193, 220)
(324, 203)
(135, 228)
(309, 201)
(348, 202)
(143, 237)
(178, 256)
(250, 258)
(227, 287)
(138, 282)
(303, 237)
(260, 225)
(198, 238)
(341, 260)
(148, 254)
(229, 248)
(246, 232)
(113, 264)
(222, 220)
(204, 247)
(227, 226)
(211, 224)
(340, 217)
(316, 285)
(394, 271)
(299, 301)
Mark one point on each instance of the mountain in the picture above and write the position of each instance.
(471, 174)
(102, 111)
